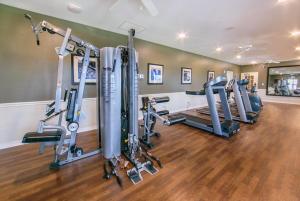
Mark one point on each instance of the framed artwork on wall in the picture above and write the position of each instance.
(186, 75)
(76, 68)
(155, 73)
(210, 75)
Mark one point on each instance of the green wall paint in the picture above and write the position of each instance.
(262, 70)
(28, 72)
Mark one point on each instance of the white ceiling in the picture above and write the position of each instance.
(265, 24)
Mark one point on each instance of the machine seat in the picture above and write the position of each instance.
(163, 112)
(195, 93)
(175, 119)
(47, 136)
(161, 99)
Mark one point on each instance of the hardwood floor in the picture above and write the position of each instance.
(262, 162)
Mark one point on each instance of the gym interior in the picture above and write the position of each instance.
(150, 100)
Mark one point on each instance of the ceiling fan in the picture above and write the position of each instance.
(147, 4)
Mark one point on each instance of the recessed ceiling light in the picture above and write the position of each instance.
(219, 49)
(74, 8)
(297, 48)
(281, 2)
(182, 35)
(253, 62)
(295, 33)
(238, 56)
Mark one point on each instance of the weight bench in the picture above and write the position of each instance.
(47, 136)
(151, 115)
(163, 112)
(175, 119)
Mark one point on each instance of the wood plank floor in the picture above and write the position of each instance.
(260, 163)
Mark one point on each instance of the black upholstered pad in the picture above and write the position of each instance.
(163, 112)
(48, 136)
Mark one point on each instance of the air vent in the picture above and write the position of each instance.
(229, 28)
(128, 25)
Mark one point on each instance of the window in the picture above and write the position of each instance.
(292, 83)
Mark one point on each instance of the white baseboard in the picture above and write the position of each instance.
(10, 144)
(278, 99)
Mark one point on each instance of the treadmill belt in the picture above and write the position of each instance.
(194, 116)
(234, 112)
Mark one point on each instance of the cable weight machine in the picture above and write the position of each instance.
(117, 106)
(120, 74)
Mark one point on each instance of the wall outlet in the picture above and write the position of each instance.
(141, 76)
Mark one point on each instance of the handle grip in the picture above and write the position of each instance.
(66, 95)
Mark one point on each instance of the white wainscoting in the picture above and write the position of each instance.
(278, 99)
(18, 118)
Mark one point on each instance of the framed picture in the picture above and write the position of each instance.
(210, 75)
(186, 75)
(155, 73)
(76, 67)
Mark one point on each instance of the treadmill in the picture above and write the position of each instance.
(242, 101)
(241, 110)
(227, 127)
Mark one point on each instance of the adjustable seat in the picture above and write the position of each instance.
(175, 119)
(163, 112)
(47, 136)
(202, 92)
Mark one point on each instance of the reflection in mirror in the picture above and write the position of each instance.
(284, 81)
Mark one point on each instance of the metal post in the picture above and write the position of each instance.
(79, 99)
(133, 92)
(85, 64)
(246, 99)
(213, 110)
(225, 105)
(239, 101)
(61, 55)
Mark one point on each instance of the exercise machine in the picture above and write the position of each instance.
(282, 89)
(150, 115)
(118, 100)
(241, 109)
(66, 149)
(242, 101)
(252, 101)
(226, 128)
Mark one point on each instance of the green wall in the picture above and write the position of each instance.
(28, 72)
(262, 70)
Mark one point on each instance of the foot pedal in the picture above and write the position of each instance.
(150, 169)
(54, 166)
(134, 176)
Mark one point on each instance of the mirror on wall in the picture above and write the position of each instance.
(284, 81)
